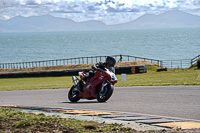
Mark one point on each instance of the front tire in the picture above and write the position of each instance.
(106, 94)
(73, 95)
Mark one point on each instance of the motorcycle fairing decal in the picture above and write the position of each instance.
(101, 77)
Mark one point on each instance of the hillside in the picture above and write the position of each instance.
(171, 19)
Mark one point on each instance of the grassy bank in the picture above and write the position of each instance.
(170, 77)
(15, 121)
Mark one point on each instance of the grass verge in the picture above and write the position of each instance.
(12, 121)
(15, 121)
(170, 77)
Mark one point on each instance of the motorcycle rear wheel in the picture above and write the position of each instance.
(106, 94)
(73, 95)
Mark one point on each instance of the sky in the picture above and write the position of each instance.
(108, 11)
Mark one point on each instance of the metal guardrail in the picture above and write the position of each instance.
(70, 61)
(194, 60)
(171, 64)
(179, 64)
(135, 58)
(184, 63)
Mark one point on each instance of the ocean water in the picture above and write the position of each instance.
(160, 44)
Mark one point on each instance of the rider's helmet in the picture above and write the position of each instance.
(110, 61)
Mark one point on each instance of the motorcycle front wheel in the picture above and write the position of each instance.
(103, 96)
(73, 94)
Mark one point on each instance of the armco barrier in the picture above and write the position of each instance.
(119, 70)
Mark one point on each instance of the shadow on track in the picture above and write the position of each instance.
(87, 102)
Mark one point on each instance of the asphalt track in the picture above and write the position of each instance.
(170, 101)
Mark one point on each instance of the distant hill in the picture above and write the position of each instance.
(47, 23)
(170, 19)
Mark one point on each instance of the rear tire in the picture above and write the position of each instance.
(106, 94)
(73, 95)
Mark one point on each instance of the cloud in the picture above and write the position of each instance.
(108, 11)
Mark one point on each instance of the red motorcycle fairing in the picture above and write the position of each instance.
(90, 88)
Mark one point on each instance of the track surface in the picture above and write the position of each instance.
(171, 101)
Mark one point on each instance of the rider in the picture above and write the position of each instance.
(100, 66)
(109, 64)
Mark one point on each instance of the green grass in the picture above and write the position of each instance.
(35, 83)
(170, 77)
(15, 121)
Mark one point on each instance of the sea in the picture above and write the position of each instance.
(159, 44)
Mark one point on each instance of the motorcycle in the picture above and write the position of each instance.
(100, 86)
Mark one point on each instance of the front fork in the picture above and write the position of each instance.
(101, 93)
(75, 79)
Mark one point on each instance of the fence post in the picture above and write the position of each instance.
(191, 62)
(87, 60)
(181, 64)
(171, 64)
(198, 63)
